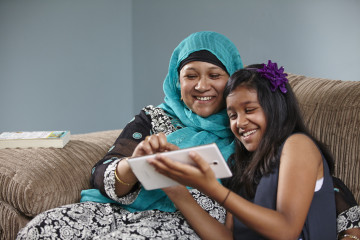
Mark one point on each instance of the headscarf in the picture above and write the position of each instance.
(197, 130)
(202, 56)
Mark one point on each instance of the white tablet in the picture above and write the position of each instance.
(151, 179)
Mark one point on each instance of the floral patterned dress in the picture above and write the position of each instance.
(90, 220)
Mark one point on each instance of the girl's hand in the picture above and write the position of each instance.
(176, 192)
(200, 176)
(204, 225)
(153, 144)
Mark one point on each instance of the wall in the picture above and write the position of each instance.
(89, 65)
(319, 38)
(65, 65)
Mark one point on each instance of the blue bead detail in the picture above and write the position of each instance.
(111, 148)
(137, 135)
(107, 161)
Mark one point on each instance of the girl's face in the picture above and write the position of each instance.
(202, 86)
(247, 118)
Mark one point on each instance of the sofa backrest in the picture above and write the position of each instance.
(331, 111)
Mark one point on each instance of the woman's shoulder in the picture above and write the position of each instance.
(150, 108)
(155, 112)
(161, 120)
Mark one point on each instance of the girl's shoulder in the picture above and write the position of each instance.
(300, 138)
(301, 144)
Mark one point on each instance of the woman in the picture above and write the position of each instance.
(193, 113)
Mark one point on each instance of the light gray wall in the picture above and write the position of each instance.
(65, 65)
(89, 65)
(319, 38)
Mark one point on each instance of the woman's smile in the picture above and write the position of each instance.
(204, 99)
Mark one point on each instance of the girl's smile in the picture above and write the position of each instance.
(248, 134)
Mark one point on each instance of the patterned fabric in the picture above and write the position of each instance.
(349, 219)
(91, 220)
(161, 122)
(110, 185)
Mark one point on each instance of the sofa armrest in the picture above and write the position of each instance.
(331, 111)
(35, 180)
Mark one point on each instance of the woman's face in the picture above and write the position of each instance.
(247, 117)
(202, 86)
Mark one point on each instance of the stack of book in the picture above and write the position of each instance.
(35, 139)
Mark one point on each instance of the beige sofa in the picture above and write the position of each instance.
(34, 180)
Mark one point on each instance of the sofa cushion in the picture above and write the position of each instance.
(34, 180)
(11, 221)
(331, 111)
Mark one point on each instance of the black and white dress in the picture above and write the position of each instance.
(90, 220)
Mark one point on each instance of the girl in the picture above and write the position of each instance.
(282, 186)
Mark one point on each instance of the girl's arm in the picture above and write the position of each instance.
(204, 225)
(300, 167)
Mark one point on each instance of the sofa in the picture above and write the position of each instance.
(34, 180)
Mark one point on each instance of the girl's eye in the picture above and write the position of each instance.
(249, 110)
(232, 116)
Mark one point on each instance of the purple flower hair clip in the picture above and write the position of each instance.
(275, 75)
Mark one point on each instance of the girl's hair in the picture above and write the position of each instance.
(283, 118)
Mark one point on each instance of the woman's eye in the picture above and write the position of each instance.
(214, 76)
(190, 76)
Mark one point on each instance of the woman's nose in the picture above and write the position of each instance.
(203, 84)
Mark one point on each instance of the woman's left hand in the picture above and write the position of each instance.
(200, 176)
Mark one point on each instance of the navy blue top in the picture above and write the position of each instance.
(321, 219)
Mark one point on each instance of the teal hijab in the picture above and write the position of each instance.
(197, 130)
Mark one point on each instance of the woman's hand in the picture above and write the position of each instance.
(200, 176)
(153, 144)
